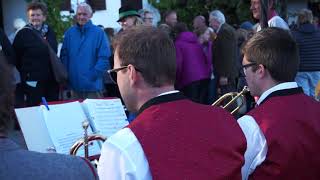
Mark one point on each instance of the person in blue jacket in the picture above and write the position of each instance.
(85, 53)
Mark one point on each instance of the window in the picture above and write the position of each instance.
(95, 5)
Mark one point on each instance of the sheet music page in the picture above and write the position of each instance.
(64, 124)
(106, 115)
(34, 129)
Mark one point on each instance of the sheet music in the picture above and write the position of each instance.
(107, 116)
(64, 124)
(34, 129)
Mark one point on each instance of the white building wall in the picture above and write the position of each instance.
(13, 9)
(109, 17)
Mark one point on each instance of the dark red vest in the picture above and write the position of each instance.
(185, 140)
(291, 125)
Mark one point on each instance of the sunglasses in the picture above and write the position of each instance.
(113, 73)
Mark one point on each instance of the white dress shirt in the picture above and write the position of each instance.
(276, 21)
(122, 157)
(256, 143)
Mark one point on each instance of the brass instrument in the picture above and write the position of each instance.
(234, 98)
(85, 142)
(317, 92)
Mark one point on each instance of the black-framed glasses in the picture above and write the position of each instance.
(245, 66)
(113, 73)
(150, 19)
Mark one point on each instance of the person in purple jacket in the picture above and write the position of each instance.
(193, 67)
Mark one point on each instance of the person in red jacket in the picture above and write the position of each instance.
(171, 137)
(287, 117)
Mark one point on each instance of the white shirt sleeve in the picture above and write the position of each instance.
(122, 158)
(277, 21)
(256, 145)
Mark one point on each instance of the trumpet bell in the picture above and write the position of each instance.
(232, 98)
(83, 142)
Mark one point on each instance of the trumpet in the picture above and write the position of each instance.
(85, 142)
(234, 98)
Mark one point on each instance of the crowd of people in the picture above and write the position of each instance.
(167, 76)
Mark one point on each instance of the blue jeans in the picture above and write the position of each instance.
(308, 81)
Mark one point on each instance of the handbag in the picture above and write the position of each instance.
(59, 70)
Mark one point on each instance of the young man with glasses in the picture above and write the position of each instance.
(288, 118)
(171, 137)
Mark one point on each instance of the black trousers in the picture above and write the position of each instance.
(27, 95)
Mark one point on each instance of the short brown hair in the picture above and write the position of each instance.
(151, 51)
(276, 50)
(6, 96)
(38, 5)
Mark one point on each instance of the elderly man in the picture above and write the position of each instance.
(166, 140)
(147, 17)
(129, 17)
(85, 52)
(287, 117)
(273, 19)
(224, 52)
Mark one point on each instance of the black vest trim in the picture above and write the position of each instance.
(283, 92)
(161, 99)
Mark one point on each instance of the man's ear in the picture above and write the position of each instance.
(261, 72)
(133, 75)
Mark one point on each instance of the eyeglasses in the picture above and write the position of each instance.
(150, 19)
(245, 66)
(113, 73)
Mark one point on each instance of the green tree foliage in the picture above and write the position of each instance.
(236, 11)
(59, 23)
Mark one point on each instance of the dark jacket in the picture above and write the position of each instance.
(307, 37)
(6, 48)
(225, 52)
(18, 164)
(33, 60)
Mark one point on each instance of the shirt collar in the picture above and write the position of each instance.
(169, 92)
(281, 86)
(162, 98)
